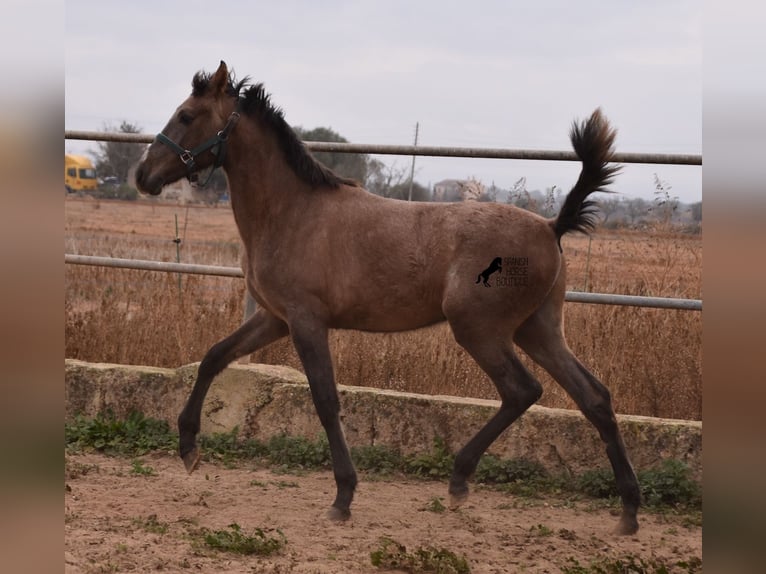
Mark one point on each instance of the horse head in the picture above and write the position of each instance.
(195, 137)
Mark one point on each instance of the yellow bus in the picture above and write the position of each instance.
(79, 173)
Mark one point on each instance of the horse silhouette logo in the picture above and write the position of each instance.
(495, 266)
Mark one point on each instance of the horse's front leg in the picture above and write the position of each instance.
(258, 331)
(310, 340)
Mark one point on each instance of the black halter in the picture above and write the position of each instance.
(216, 145)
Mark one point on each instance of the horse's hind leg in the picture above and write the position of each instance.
(258, 331)
(310, 340)
(518, 390)
(542, 339)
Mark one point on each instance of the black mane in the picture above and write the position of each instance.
(255, 102)
(201, 81)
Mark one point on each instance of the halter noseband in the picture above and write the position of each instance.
(216, 145)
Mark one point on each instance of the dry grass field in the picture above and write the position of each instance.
(650, 359)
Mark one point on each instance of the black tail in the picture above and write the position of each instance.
(592, 141)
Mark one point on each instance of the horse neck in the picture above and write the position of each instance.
(264, 190)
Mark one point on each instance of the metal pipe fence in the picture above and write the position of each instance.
(148, 265)
(436, 151)
(571, 296)
(409, 150)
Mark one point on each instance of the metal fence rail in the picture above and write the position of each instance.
(437, 151)
(572, 296)
(490, 153)
(148, 265)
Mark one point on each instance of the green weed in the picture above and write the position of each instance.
(494, 470)
(376, 458)
(540, 530)
(598, 483)
(667, 486)
(392, 555)
(282, 484)
(134, 436)
(435, 505)
(298, 453)
(151, 524)
(261, 542)
(228, 448)
(632, 564)
(670, 484)
(137, 467)
(73, 470)
(435, 464)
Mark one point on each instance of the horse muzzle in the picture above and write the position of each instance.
(148, 183)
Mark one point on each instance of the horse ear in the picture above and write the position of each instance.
(220, 79)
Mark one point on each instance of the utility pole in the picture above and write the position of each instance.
(412, 169)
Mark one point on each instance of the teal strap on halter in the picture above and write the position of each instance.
(216, 145)
(188, 156)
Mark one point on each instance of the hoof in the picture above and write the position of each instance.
(337, 515)
(191, 460)
(628, 525)
(457, 496)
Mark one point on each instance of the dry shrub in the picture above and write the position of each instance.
(649, 358)
(645, 375)
(143, 318)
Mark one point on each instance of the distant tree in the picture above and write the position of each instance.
(636, 210)
(116, 159)
(381, 178)
(355, 166)
(490, 194)
(402, 190)
(696, 209)
(393, 181)
(374, 175)
(610, 207)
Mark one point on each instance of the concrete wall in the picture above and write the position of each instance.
(264, 400)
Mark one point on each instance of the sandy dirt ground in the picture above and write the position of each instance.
(123, 515)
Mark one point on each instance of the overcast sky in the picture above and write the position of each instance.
(495, 74)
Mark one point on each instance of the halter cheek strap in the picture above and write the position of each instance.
(216, 145)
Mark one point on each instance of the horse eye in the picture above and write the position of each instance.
(185, 118)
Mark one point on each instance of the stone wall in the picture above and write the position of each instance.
(266, 400)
